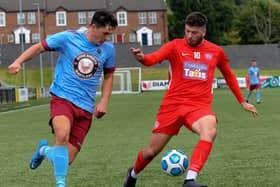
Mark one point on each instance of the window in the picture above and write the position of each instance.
(10, 38)
(152, 17)
(82, 18)
(31, 18)
(2, 19)
(20, 18)
(111, 38)
(122, 18)
(35, 37)
(61, 18)
(157, 38)
(90, 15)
(142, 18)
(132, 37)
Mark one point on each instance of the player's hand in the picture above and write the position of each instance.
(14, 68)
(100, 110)
(250, 108)
(138, 53)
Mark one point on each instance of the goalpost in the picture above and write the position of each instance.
(126, 81)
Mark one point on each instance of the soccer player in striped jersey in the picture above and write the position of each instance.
(84, 56)
(188, 99)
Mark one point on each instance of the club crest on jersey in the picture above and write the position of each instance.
(208, 56)
(85, 65)
(196, 71)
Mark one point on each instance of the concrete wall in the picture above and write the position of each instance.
(267, 56)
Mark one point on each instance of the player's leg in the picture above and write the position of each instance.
(60, 158)
(258, 94)
(249, 93)
(79, 130)
(248, 96)
(62, 117)
(145, 156)
(58, 154)
(156, 144)
(73, 152)
(62, 108)
(167, 124)
(70, 132)
(48, 152)
(206, 128)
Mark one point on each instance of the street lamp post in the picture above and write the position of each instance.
(1, 43)
(21, 41)
(40, 56)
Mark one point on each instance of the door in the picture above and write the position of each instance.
(22, 38)
(144, 39)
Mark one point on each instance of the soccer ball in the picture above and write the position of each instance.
(174, 162)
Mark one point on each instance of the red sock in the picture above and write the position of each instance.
(200, 155)
(140, 163)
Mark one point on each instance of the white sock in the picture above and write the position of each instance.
(42, 149)
(191, 175)
(133, 174)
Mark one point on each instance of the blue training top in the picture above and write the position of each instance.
(254, 75)
(79, 67)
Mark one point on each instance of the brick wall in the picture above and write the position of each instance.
(48, 24)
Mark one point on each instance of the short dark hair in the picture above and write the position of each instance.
(196, 19)
(103, 18)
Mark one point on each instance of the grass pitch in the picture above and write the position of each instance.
(245, 153)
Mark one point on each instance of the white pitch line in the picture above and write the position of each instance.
(27, 108)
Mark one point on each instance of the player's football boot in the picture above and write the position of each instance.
(37, 158)
(130, 181)
(191, 183)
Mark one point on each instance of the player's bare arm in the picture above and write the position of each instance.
(33, 51)
(233, 84)
(101, 108)
(250, 108)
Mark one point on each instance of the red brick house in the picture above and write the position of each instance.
(143, 21)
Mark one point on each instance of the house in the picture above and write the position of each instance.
(144, 22)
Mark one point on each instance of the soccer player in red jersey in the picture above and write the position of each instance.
(188, 99)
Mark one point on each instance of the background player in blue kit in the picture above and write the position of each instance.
(83, 58)
(254, 82)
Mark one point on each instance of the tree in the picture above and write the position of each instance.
(219, 14)
(176, 18)
(258, 22)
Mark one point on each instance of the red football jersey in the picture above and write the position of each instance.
(192, 71)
